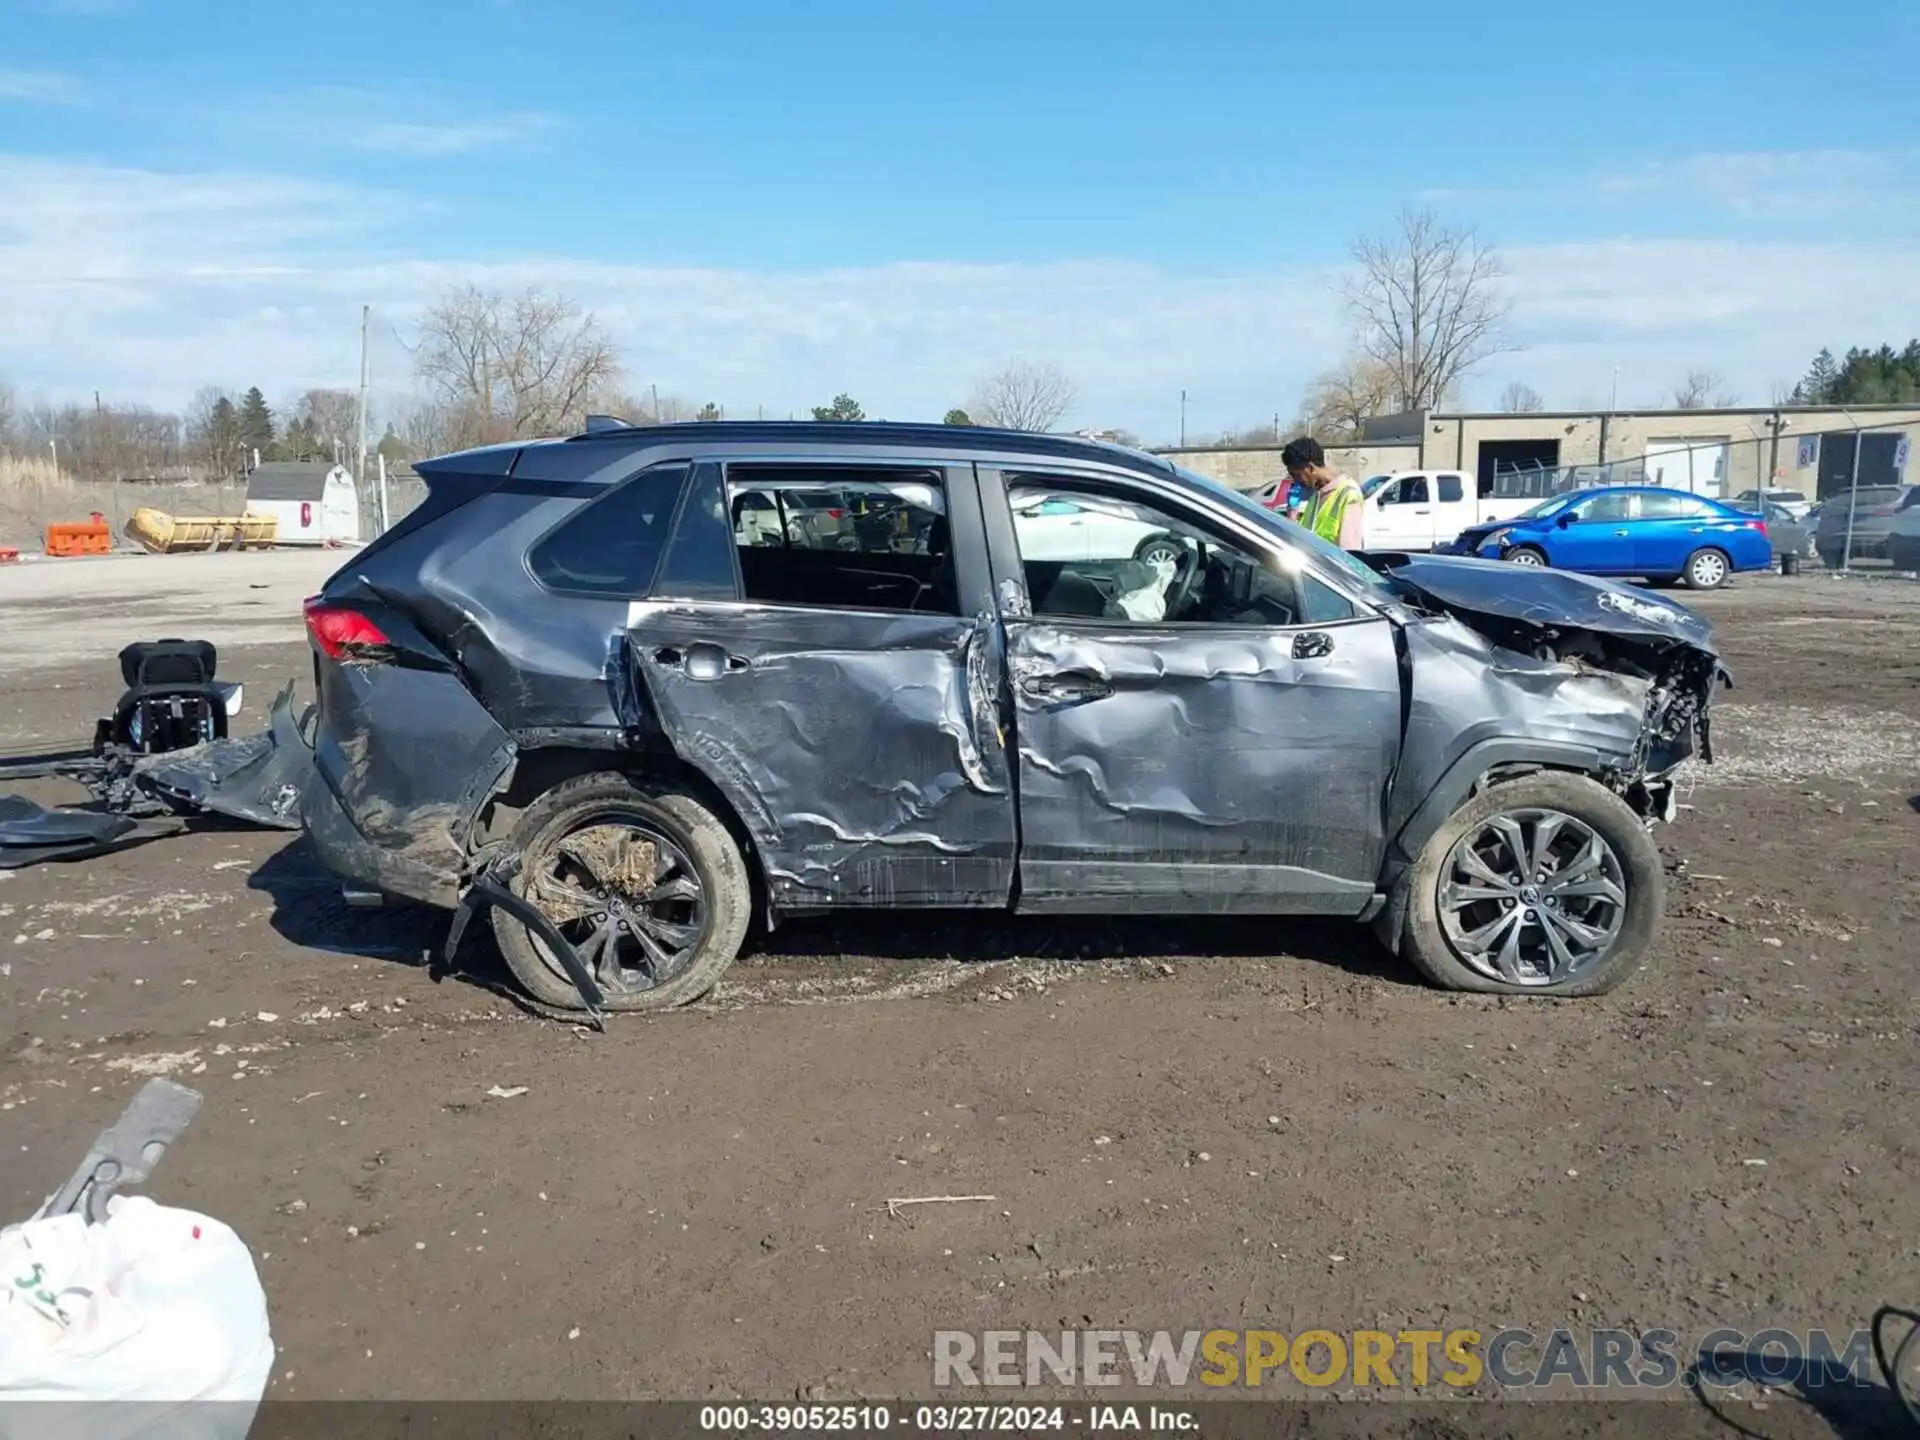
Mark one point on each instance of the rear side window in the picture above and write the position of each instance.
(1671, 507)
(1449, 489)
(843, 537)
(612, 545)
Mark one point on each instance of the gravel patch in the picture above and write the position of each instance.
(1784, 743)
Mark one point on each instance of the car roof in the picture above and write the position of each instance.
(864, 433)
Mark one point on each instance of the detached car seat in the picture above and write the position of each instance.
(172, 700)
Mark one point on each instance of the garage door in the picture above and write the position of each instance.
(1699, 465)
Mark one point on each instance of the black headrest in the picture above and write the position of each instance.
(167, 662)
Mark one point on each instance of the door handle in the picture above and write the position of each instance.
(1623, 532)
(1423, 512)
(701, 660)
(1314, 645)
(1068, 685)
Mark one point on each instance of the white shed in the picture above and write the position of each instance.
(313, 502)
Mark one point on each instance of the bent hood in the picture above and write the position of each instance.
(1553, 600)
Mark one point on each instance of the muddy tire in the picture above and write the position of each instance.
(1707, 569)
(1460, 918)
(658, 952)
(1526, 555)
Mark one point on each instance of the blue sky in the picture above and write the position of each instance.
(768, 203)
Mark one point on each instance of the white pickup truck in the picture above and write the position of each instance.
(1422, 509)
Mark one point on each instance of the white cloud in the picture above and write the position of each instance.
(147, 285)
(402, 138)
(40, 87)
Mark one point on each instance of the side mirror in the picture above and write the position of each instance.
(1568, 519)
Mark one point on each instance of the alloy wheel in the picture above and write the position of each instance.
(1708, 570)
(1532, 897)
(1526, 557)
(625, 896)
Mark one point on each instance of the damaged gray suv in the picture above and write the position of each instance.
(628, 689)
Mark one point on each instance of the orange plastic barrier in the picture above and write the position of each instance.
(91, 538)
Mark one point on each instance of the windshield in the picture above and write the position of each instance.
(1271, 520)
(1373, 483)
(1544, 507)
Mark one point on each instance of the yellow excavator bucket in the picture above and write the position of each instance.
(165, 534)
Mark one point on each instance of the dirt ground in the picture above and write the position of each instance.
(1182, 1124)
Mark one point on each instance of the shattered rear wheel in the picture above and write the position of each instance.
(649, 889)
(1547, 884)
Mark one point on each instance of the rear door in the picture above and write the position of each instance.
(1454, 509)
(1670, 528)
(1212, 735)
(835, 686)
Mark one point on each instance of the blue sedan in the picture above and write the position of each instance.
(1639, 530)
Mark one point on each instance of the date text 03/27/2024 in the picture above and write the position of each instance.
(962, 1419)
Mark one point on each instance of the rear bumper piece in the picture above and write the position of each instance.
(364, 865)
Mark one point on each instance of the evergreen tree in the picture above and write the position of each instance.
(256, 425)
(1817, 388)
(844, 407)
(957, 416)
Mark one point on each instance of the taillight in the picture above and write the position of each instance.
(340, 632)
(836, 514)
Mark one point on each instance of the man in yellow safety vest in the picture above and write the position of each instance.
(1334, 510)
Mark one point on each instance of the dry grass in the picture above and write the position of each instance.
(34, 495)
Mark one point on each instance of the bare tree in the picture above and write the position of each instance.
(506, 368)
(1023, 396)
(1520, 398)
(1341, 401)
(6, 413)
(1703, 390)
(331, 415)
(213, 433)
(1427, 304)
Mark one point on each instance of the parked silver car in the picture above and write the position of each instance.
(1872, 509)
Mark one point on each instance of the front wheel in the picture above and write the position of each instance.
(1706, 570)
(1548, 885)
(1526, 555)
(647, 886)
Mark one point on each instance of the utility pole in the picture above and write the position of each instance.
(1853, 490)
(1615, 406)
(1183, 419)
(656, 403)
(360, 429)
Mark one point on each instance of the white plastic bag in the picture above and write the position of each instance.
(156, 1305)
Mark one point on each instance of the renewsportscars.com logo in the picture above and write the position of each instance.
(1385, 1360)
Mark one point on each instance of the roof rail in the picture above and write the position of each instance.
(599, 424)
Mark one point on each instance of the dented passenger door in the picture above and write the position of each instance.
(836, 680)
(1223, 744)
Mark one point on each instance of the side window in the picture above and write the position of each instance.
(1094, 555)
(699, 563)
(1413, 490)
(1607, 507)
(1449, 489)
(844, 537)
(1670, 507)
(611, 546)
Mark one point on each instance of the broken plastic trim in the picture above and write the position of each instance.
(491, 887)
